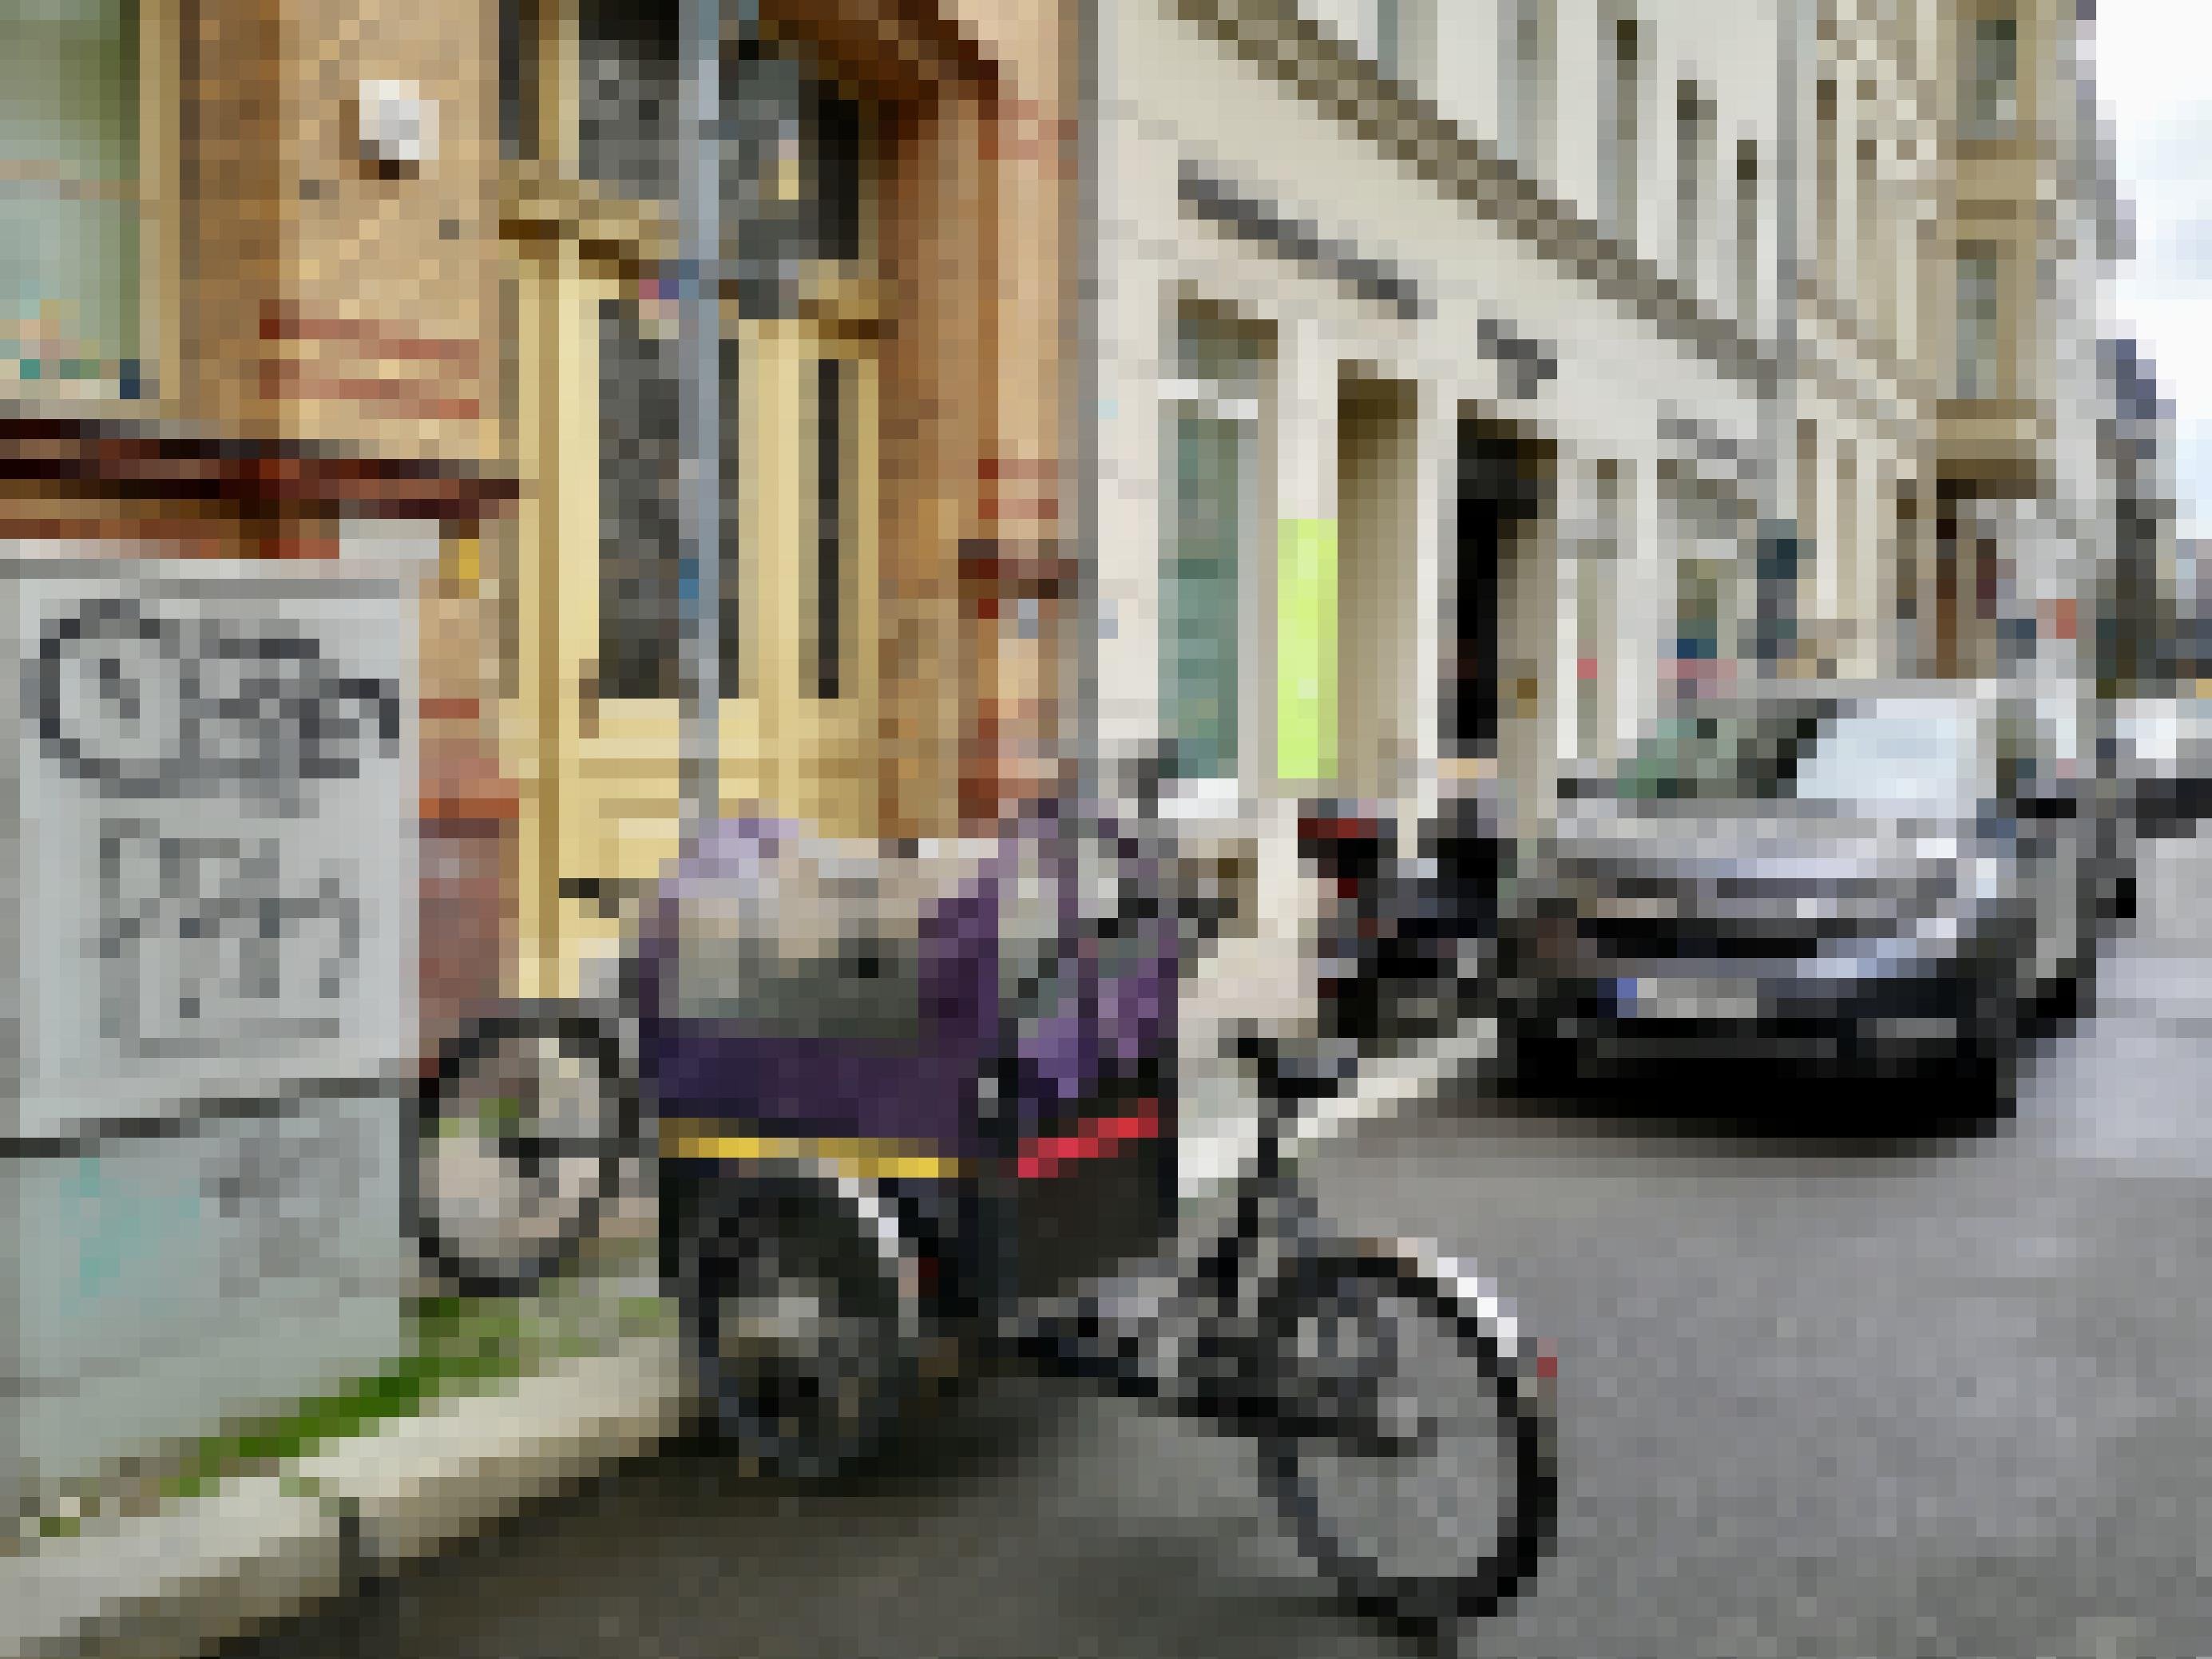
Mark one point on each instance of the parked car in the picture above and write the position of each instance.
(2163, 752)
(1876, 881)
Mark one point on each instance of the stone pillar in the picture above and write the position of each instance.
(1577, 513)
(1645, 607)
(1291, 679)
(938, 367)
(1304, 646)
(1014, 574)
(1436, 536)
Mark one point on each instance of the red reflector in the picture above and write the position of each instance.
(1102, 1137)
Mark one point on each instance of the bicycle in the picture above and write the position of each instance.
(953, 1124)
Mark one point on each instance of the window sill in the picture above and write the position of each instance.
(1204, 800)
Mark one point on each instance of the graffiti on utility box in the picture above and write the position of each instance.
(207, 941)
(216, 880)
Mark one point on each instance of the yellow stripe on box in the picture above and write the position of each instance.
(862, 1158)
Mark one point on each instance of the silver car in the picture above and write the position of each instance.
(1864, 882)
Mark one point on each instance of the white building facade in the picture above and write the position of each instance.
(1436, 346)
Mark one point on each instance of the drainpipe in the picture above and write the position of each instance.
(699, 288)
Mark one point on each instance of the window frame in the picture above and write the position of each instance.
(1986, 275)
(1985, 28)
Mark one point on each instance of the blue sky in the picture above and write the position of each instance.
(2152, 58)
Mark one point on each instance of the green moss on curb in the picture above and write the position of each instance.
(455, 1345)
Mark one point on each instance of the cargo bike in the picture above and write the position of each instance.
(898, 1100)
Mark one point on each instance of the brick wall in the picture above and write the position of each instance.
(324, 296)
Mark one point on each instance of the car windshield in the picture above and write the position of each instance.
(1723, 754)
(1895, 758)
(1888, 756)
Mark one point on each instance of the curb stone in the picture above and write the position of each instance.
(262, 1547)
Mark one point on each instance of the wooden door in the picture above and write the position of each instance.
(798, 577)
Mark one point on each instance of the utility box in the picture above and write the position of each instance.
(209, 884)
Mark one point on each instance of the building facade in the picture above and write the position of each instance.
(250, 416)
(1478, 382)
(249, 307)
(1439, 355)
(2017, 541)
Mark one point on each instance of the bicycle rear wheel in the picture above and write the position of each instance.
(1415, 1459)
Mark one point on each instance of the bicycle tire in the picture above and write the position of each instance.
(1517, 1384)
(825, 1397)
(430, 1214)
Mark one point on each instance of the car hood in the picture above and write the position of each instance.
(1778, 837)
(1755, 877)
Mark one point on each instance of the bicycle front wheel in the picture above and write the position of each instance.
(1415, 1455)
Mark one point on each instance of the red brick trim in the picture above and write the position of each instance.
(493, 804)
(281, 320)
(992, 468)
(1013, 566)
(283, 379)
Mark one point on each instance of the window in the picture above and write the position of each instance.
(1978, 321)
(1747, 232)
(641, 620)
(1992, 92)
(1621, 165)
(1389, 24)
(1210, 431)
(831, 513)
(790, 179)
(1826, 180)
(1873, 277)
(1524, 83)
(1697, 610)
(519, 25)
(1692, 166)
(69, 200)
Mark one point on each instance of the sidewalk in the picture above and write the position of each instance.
(496, 1407)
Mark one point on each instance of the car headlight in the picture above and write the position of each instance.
(1940, 931)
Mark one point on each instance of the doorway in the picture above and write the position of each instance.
(597, 607)
(1378, 495)
(1501, 611)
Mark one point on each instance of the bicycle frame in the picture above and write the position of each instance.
(1186, 1332)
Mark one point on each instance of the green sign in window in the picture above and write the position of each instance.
(1305, 650)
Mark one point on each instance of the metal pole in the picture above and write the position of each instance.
(1079, 279)
(1776, 575)
(699, 566)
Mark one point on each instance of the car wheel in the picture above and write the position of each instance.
(1994, 1042)
(1533, 1058)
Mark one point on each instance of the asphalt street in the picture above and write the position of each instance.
(1828, 1385)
